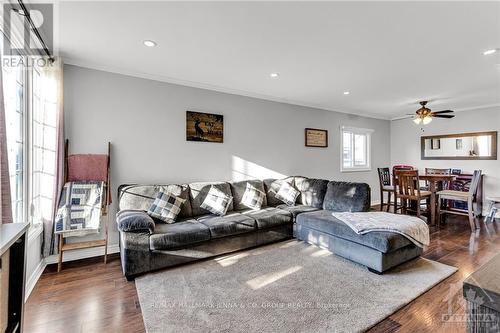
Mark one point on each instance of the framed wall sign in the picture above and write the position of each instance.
(316, 137)
(204, 127)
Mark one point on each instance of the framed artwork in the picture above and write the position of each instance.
(204, 127)
(435, 144)
(459, 144)
(316, 137)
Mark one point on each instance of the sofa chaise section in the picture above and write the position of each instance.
(379, 251)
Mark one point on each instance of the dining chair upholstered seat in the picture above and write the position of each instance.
(452, 193)
(469, 197)
(425, 193)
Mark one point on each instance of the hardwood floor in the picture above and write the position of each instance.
(88, 296)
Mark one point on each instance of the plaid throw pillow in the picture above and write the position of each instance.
(287, 193)
(252, 198)
(216, 202)
(166, 207)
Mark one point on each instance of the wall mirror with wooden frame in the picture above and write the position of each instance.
(463, 146)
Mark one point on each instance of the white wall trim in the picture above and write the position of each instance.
(33, 279)
(83, 253)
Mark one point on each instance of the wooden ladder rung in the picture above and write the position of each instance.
(83, 245)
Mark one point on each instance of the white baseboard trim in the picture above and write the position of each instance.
(33, 279)
(82, 254)
(68, 256)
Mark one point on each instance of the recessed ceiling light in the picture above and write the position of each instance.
(347, 92)
(274, 75)
(149, 43)
(488, 52)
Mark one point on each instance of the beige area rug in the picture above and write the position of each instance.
(283, 287)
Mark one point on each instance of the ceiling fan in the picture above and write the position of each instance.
(424, 115)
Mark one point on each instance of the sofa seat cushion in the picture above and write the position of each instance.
(323, 221)
(178, 235)
(298, 209)
(269, 217)
(227, 225)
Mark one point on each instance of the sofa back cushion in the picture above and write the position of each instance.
(141, 197)
(238, 189)
(198, 193)
(347, 197)
(272, 186)
(312, 191)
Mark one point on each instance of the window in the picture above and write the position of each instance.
(355, 152)
(30, 114)
(14, 84)
(43, 149)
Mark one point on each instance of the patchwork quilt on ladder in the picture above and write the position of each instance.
(79, 208)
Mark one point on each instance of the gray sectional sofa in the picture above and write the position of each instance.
(147, 244)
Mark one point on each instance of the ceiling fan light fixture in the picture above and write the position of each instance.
(417, 120)
(426, 120)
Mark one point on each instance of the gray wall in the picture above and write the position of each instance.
(405, 143)
(145, 121)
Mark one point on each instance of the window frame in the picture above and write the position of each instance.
(367, 132)
(16, 38)
(27, 147)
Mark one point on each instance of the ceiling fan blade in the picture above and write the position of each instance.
(443, 116)
(444, 111)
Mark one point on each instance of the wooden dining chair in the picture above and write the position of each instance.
(469, 197)
(396, 168)
(435, 171)
(384, 177)
(409, 191)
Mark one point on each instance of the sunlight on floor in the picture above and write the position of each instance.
(243, 169)
(289, 244)
(269, 278)
(230, 260)
(321, 253)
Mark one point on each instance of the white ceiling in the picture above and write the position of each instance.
(389, 55)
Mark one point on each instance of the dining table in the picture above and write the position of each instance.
(433, 180)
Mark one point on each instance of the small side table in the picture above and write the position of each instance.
(492, 209)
